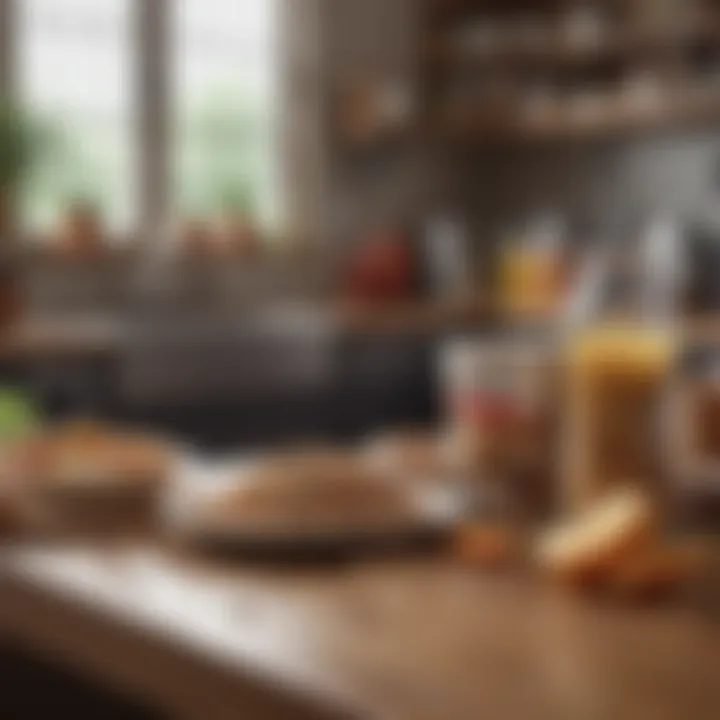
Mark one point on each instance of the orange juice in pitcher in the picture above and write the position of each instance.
(616, 374)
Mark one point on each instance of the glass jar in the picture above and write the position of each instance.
(616, 377)
(531, 270)
(495, 395)
(694, 425)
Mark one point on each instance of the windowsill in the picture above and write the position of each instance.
(44, 253)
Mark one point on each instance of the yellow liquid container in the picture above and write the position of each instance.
(530, 281)
(616, 375)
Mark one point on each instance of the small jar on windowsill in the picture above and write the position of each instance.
(237, 235)
(81, 234)
(196, 240)
(236, 229)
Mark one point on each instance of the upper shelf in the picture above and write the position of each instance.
(562, 51)
(612, 119)
(545, 71)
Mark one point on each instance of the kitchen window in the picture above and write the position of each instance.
(153, 110)
(74, 67)
(224, 99)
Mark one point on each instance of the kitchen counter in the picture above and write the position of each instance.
(412, 640)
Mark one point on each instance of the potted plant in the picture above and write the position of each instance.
(82, 231)
(19, 141)
(17, 149)
(196, 239)
(236, 229)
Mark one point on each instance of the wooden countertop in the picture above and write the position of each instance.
(412, 640)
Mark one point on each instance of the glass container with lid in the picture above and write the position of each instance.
(620, 351)
(496, 395)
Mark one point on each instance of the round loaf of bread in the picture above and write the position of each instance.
(309, 491)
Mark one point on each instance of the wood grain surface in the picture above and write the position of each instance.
(404, 639)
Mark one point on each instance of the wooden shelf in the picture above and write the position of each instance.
(444, 9)
(414, 317)
(561, 53)
(614, 119)
(491, 82)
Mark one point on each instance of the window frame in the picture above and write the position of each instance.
(152, 45)
(151, 54)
